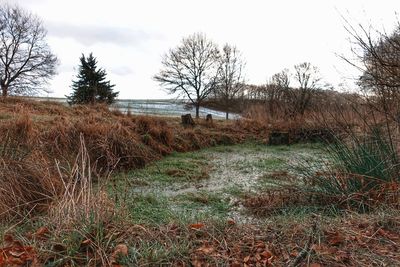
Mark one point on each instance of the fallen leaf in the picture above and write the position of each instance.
(42, 233)
(121, 250)
(266, 254)
(334, 238)
(246, 259)
(85, 242)
(231, 221)
(8, 239)
(206, 249)
(196, 225)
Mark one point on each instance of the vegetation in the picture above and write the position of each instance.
(83, 185)
(231, 81)
(91, 86)
(26, 61)
(191, 69)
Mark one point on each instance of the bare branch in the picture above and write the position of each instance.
(26, 62)
(191, 69)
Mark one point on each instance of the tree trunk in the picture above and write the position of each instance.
(197, 110)
(4, 90)
(227, 115)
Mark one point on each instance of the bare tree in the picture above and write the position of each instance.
(308, 78)
(281, 79)
(276, 89)
(191, 69)
(231, 80)
(26, 62)
(376, 54)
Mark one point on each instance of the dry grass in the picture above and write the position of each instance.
(39, 138)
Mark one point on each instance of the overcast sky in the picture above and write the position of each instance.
(128, 37)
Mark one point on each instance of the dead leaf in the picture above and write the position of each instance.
(206, 249)
(231, 221)
(196, 226)
(266, 254)
(334, 238)
(121, 250)
(85, 243)
(42, 233)
(246, 259)
(8, 239)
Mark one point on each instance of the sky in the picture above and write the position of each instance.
(129, 37)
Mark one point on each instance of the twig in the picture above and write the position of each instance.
(306, 250)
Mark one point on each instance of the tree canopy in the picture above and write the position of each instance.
(191, 69)
(231, 77)
(91, 85)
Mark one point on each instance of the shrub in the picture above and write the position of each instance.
(364, 173)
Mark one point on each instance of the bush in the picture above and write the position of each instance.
(364, 173)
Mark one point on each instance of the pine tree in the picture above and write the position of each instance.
(91, 86)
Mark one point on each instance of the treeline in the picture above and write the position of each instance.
(199, 71)
(287, 94)
(278, 102)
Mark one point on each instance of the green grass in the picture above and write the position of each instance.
(210, 203)
(153, 209)
(175, 168)
(157, 252)
(164, 192)
(149, 209)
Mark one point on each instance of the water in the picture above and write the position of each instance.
(161, 107)
(172, 108)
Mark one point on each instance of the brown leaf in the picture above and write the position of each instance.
(42, 233)
(121, 250)
(231, 221)
(196, 226)
(334, 238)
(8, 239)
(266, 254)
(258, 257)
(206, 249)
(85, 243)
(246, 259)
(197, 263)
(342, 256)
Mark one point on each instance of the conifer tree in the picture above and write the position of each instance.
(91, 86)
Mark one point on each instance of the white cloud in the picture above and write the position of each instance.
(92, 34)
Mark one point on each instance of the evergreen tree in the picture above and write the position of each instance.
(91, 85)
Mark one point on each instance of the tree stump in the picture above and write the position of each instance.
(209, 118)
(279, 138)
(187, 120)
